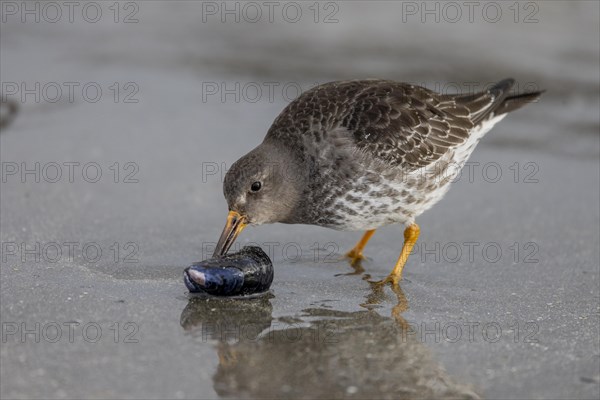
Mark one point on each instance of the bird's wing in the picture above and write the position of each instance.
(412, 127)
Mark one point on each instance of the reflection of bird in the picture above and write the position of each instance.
(358, 155)
(333, 354)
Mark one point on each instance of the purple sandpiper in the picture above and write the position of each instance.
(361, 154)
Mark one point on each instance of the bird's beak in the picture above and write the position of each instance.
(235, 224)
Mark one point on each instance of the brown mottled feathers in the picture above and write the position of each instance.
(401, 124)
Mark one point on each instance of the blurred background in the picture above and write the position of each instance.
(120, 118)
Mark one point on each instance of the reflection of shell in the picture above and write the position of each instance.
(224, 319)
(8, 111)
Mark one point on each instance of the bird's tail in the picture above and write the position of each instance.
(495, 101)
(512, 103)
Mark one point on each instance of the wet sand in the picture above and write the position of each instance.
(500, 298)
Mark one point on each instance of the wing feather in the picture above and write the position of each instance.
(412, 127)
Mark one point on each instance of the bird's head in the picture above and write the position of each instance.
(262, 187)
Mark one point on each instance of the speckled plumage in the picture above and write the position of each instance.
(367, 153)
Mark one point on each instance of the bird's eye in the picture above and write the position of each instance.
(256, 186)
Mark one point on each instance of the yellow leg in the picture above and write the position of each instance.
(411, 234)
(356, 254)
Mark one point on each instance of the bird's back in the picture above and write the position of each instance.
(375, 148)
(402, 124)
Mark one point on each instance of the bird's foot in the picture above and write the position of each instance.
(354, 256)
(391, 278)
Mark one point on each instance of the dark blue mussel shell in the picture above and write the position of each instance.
(246, 272)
